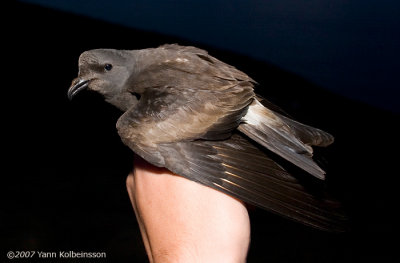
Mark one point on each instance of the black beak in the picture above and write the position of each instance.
(77, 86)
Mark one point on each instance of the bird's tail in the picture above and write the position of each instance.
(287, 138)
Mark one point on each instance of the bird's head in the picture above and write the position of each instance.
(105, 71)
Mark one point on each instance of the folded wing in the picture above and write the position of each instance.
(287, 138)
(237, 167)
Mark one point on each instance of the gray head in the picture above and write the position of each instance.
(105, 71)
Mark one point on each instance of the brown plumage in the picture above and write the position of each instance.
(200, 118)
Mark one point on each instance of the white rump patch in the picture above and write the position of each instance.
(257, 115)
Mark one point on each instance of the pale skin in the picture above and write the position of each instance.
(183, 221)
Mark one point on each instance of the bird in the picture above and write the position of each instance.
(200, 118)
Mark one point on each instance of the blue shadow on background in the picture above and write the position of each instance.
(348, 47)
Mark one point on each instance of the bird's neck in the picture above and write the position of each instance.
(123, 101)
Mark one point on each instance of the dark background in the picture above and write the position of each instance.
(64, 173)
(347, 46)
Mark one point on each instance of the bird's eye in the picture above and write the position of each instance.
(108, 67)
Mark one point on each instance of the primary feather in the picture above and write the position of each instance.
(200, 118)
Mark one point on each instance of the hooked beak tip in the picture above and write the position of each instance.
(77, 86)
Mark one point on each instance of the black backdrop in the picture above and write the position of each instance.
(64, 167)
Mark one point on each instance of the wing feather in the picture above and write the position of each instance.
(285, 137)
(236, 167)
(185, 121)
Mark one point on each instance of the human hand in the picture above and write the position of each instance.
(183, 221)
